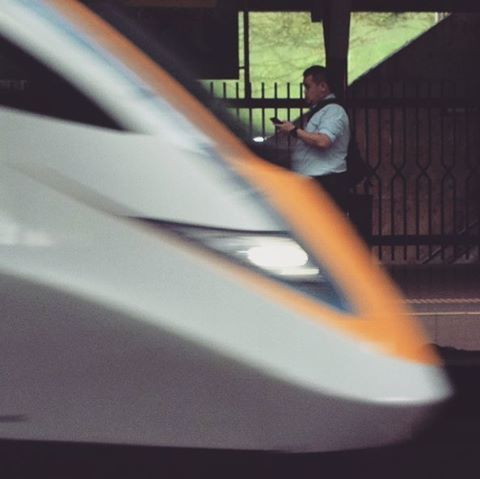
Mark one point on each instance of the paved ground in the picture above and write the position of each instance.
(439, 282)
(446, 299)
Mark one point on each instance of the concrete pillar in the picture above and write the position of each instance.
(336, 31)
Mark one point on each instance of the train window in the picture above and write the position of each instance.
(28, 85)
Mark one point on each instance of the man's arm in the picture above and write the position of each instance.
(317, 140)
(327, 125)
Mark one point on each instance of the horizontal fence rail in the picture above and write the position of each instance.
(422, 141)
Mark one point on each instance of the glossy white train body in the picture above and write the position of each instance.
(186, 330)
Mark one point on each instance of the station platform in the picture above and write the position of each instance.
(446, 299)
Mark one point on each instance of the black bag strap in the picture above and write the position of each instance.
(322, 104)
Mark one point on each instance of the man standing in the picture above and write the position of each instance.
(322, 145)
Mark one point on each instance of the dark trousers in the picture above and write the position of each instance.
(336, 186)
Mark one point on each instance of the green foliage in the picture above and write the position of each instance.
(283, 44)
(376, 36)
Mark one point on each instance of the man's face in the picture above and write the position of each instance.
(314, 92)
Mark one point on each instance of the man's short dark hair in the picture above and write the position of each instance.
(318, 73)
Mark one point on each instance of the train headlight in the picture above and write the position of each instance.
(277, 255)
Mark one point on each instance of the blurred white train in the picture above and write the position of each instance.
(162, 285)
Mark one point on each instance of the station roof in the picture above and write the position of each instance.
(310, 5)
(369, 5)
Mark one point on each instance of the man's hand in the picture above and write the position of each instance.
(285, 127)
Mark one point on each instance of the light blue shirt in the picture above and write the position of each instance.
(331, 120)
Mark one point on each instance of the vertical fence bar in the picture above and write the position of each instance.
(429, 166)
(379, 161)
(301, 109)
(237, 96)
(262, 94)
(405, 143)
(250, 117)
(404, 185)
(417, 162)
(393, 199)
(469, 175)
(423, 183)
(366, 133)
(289, 118)
(454, 164)
(246, 54)
(277, 138)
(224, 90)
(448, 176)
(442, 162)
(275, 95)
(474, 175)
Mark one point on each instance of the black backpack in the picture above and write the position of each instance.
(357, 169)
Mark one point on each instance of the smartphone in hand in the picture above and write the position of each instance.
(276, 121)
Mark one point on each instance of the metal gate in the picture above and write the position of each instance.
(422, 140)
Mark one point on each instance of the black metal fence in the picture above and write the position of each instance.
(422, 140)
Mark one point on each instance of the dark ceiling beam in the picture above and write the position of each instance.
(416, 5)
(466, 6)
(171, 3)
